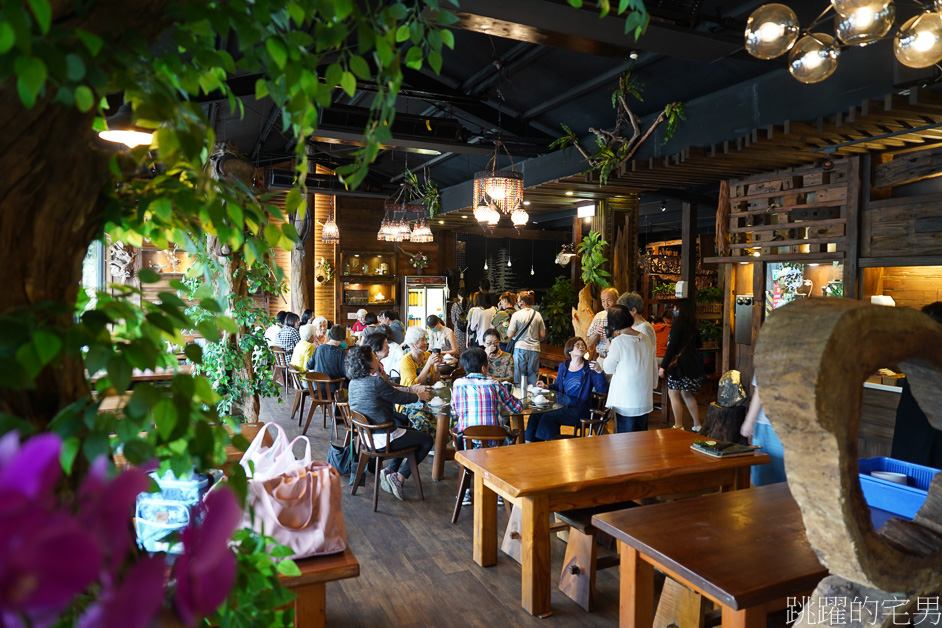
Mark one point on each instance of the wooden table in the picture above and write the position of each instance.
(540, 478)
(442, 453)
(746, 551)
(310, 607)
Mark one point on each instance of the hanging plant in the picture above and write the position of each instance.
(591, 249)
(613, 148)
(427, 193)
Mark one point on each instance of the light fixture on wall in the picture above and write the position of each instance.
(122, 130)
(773, 29)
(565, 254)
(330, 232)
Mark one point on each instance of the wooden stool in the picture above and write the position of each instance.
(577, 579)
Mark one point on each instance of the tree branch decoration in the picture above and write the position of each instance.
(614, 148)
(427, 192)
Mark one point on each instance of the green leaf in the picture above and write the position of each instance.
(42, 11)
(7, 37)
(288, 568)
(146, 275)
(448, 38)
(208, 330)
(576, 3)
(414, 58)
(84, 98)
(402, 33)
(31, 75)
(92, 42)
(349, 83)
(435, 61)
(70, 449)
(165, 417)
(194, 353)
(227, 324)
(278, 52)
(47, 345)
(360, 67)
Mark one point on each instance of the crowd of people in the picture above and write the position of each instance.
(491, 345)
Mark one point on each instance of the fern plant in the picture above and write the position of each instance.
(592, 251)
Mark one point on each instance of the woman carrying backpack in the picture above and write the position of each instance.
(459, 316)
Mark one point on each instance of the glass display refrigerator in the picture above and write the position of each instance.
(424, 295)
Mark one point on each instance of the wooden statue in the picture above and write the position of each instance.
(811, 360)
(584, 312)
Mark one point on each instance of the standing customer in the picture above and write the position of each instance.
(597, 337)
(758, 427)
(575, 382)
(479, 320)
(501, 320)
(526, 329)
(375, 398)
(634, 303)
(662, 330)
(686, 374)
(391, 320)
(631, 364)
(459, 318)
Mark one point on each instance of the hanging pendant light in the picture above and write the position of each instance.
(532, 248)
(771, 31)
(519, 217)
(330, 233)
(813, 58)
(919, 43)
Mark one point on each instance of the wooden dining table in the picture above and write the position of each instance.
(553, 476)
(441, 453)
(746, 551)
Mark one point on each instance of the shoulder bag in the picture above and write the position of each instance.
(512, 342)
(675, 361)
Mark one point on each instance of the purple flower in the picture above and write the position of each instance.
(30, 470)
(134, 602)
(206, 570)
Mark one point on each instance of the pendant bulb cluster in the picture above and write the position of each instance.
(773, 30)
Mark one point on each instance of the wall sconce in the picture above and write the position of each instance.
(565, 254)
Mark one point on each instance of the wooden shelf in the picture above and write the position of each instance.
(368, 279)
(775, 243)
(787, 208)
(790, 225)
(813, 188)
(808, 258)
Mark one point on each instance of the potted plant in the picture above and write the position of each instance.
(709, 300)
(556, 308)
(664, 291)
(711, 332)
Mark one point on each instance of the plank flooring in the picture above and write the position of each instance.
(416, 567)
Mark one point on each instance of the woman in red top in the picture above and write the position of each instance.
(360, 325)
(662, 330)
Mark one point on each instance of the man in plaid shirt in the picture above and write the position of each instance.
(475, 399)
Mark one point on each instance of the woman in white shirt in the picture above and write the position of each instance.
(479, 320)
(631, 364)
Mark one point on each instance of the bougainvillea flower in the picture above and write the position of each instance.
(32, 469)
(132, 604)
(206, 570)
(107, 507)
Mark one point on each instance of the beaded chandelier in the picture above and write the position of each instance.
(331, 233)
(502, 189)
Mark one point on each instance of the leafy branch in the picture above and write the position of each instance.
(591, 249)
(637, 19)
(615, 147)
(426, 192)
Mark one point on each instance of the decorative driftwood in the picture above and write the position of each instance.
(908, 167)
(811, 360)
(722, 220)
(583, 314)
(724, 423)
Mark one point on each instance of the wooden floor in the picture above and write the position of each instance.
(416, 567)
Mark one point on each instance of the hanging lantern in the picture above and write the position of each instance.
(330, 234)
(814, 58)
(771, 31)
(863, 26)
(502, 188)
(519, 217)
(919, 43)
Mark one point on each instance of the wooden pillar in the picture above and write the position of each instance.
(729, 307)
(688, 250)
(856, 180)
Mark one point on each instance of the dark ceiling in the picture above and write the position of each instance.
(522, 67)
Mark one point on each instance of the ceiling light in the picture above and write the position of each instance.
(500, 188)
(663, 206)
(519, 217)
(756, 254)
(633, 55)
(570, 193)
(526, 202)
(741, 263)
(122, 130)
(441, 222)
(330, 233)
(464, 216)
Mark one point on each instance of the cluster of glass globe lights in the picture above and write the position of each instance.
(499, 190)
(397, 228)
(773, 30)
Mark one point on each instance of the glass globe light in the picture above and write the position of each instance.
(919, 43)
(846, 8)
(813, 58)
(494, 217)
(482, 212)
(771, 31)
(863, 26)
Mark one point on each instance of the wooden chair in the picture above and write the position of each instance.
(319, 387)
(296, 378)
(486, 436)
(281, 368)
(365, 430)
(599, 416)
(455, 374)
(342, 419)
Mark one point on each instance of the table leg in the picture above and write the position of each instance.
(636, 605)
(310, 607)
(743, 476)
(745, 618)
(485, 523)
(535, 550)
(442, 426)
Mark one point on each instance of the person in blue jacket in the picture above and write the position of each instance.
(575, 382)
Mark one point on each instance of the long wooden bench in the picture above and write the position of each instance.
(310, 607)
(577, 579)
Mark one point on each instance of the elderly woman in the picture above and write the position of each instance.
(419, 367)
(575, 382)
(319, 327)
(633, 368)
(375, 398)
(360, 325)
(304, 350)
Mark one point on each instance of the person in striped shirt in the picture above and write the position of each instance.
(477, 399)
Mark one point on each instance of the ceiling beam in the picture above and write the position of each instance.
(560, 25)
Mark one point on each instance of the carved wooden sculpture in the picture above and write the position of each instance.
(811, 360)
(584, 312)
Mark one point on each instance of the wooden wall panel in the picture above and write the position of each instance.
(902, 227)
(323, 294)
(910, 286)
(282, 259)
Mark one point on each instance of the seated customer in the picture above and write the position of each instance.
(476, 399)
(391, 320)
(375, 398)
(418, 366)
(288, 337)
(271, 334)
(576, 380)
(500, 365)
(304, 350)
(441, 337)
(328, 357)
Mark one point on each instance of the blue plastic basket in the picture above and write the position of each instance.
(896, 498)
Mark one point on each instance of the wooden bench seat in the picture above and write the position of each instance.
(311, 603)
(577, 579)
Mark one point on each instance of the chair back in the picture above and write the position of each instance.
(365, 429)
(340, 400)
(295, 376)
(281, 362)
(320, 384)
(481, 435)
(596, 423)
